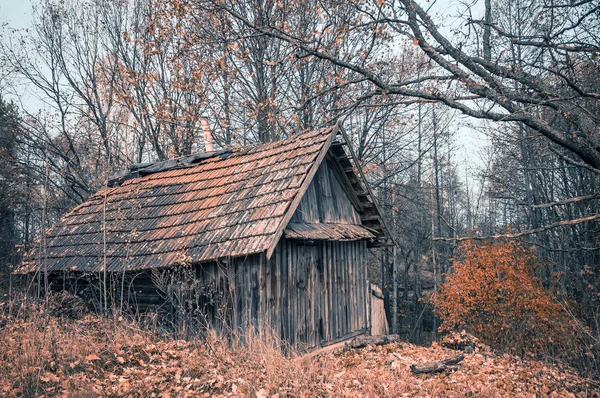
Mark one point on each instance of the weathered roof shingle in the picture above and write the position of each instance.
(216, 208)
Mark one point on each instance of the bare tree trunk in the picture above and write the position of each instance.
(487, 47)
(43, 244)
(394, 298)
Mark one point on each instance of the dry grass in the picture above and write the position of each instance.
(43, 354)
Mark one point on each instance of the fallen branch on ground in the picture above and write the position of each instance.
(433, 367)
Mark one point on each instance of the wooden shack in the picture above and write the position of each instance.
(281, 230)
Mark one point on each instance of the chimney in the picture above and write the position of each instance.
(208, 141)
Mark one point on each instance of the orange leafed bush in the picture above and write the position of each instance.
(495, 294)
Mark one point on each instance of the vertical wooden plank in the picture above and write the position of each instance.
(356, 285)
(320, 201)
(242, 270)
(344, 293)
(241, 274)
(299, 302)
(326, 293)
(310, 295)
(359, 295)
(285, 300)
(276, 292)
(319, 293)
(291, 293)
(298, 280)
(246, 271)
(303, 280)
(352, 285)
(359, 287)
(296, 269)
(348, 280)
(220, 290)
(314, 306)
(262, 293)
(301, 265)
(240, 295)
(348, 294)
(340, 275)
(265, 288)
(336, 304)
(348, 265)
(306, 265)
(333, 307)
(294, 291)
(231, 296)
(255, 291)
(353, 282)
(348, 246)
(367, 286)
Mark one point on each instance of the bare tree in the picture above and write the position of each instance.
(482, 88)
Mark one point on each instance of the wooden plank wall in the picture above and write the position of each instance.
(326, 201)
(326, 299)
(309, 295)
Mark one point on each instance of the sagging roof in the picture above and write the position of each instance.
(229, 204)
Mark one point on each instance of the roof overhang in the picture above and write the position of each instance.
(322, 231)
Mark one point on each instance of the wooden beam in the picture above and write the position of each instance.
(344, 182)
(367, 187)
(370, 218)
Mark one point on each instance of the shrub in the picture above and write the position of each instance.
(495, 294)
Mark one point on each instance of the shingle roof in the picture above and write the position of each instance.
(216, 208)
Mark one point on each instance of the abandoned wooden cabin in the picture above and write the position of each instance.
(280, 230)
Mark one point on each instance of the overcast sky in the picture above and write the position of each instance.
(16, 12)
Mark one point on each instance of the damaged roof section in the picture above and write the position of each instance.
(142, 169)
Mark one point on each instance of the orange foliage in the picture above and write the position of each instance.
(495, 294)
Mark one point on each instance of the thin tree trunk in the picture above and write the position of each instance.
(487, 46)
